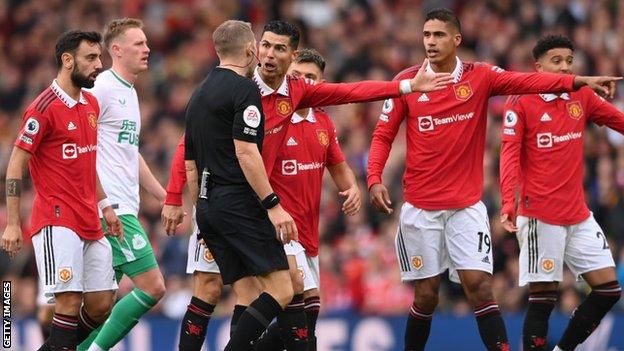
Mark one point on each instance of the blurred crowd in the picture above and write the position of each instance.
(361, 39)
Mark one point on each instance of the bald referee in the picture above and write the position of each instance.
(238, 214)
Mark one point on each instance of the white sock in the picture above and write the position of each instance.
(555, 349)
(94, 347)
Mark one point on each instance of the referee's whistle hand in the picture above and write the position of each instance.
(285, 227)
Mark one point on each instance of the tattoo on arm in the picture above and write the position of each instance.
(13, 187)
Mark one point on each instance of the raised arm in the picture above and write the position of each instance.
(326, 94)
(510, 83)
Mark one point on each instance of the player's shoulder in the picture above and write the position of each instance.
(90, 97)
(482, 67)
(321, 115)
(407, 73)
(515, 101)
(42, 102)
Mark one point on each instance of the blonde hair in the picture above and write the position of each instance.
(117, 27)
(231, 37)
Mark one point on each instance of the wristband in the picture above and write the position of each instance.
(270, 201)
(103, 204)
(405, 87)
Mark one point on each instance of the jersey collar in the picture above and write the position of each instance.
(551, 97)
(67, 100)
(296, 118)
(267, 90)
(121, 80)
(457, 72)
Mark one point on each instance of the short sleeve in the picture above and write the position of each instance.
(189, 148)
(33, 129)
(248, 117)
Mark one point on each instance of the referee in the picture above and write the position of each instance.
(238, 214)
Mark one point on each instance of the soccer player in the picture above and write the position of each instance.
(122, 169)
(310, 146)
(58, 141)
(443, 225)
(283, 94)
(543, 137)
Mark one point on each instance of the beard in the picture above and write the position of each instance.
(80, 80)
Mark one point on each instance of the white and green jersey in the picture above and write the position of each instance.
(119, 126)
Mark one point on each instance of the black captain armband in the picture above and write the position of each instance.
(270, 201)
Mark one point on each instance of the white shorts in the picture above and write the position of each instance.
(199, 258)
(66, 262)
(430, 242)
(545, 247)
(42, 299)
(310, 281)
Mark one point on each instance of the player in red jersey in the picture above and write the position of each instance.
(58, 141)
(542, 154)
(283, 94)
(310, 145)
(443, 225)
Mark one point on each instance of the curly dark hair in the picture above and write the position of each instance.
(551, 41)
(284, 28)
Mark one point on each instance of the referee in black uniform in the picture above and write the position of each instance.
(238, 213)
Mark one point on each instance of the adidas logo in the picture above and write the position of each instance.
(423, 98)
(291, 142)
(71, 126)
(545, 118)
(486, 259)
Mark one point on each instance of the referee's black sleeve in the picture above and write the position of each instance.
(189, 150)
(248, 117)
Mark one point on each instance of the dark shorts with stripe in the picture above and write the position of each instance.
(239, 233)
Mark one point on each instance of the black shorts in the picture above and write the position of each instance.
(239, 233)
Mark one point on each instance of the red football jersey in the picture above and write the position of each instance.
(310, 144)
(295, 93)
(61, 135)
(446, 132)
(542, 152)
(177, 176)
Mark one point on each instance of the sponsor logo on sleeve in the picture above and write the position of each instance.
(463, 91)
(509, 131)
(511, 118)
(32, 126)
(26, 140)
(251, 116)
(289, 167)
(387, 107)
(425, 123)
(574, 109)
(283, 107)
